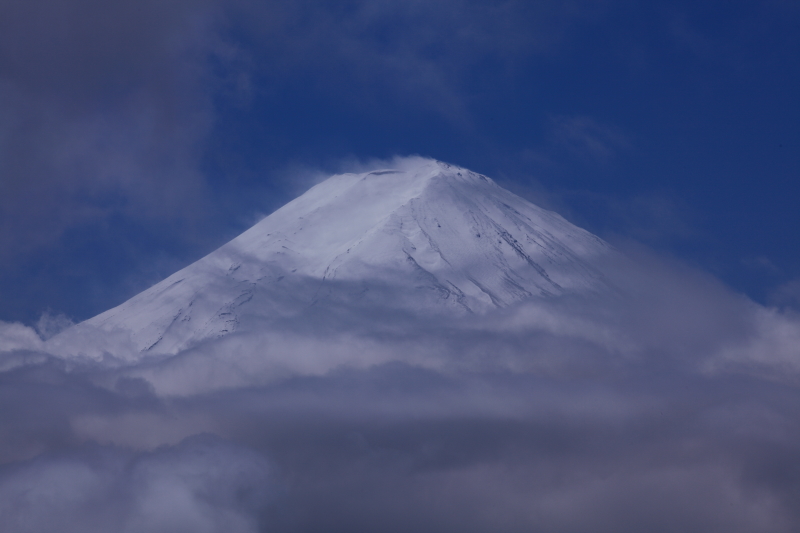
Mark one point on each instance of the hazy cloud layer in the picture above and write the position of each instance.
(671, 406)
(203, 484)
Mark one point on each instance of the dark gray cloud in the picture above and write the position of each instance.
(104, 109)
(202, 484)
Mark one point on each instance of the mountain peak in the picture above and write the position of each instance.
(424, 237)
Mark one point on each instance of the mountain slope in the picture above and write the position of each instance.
(427, 239)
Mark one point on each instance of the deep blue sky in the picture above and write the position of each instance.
(136, 138)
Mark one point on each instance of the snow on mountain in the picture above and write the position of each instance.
(427, 239)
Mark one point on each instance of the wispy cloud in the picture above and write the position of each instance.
(787, 294)
(587, 138)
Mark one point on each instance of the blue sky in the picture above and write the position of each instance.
(136, 138)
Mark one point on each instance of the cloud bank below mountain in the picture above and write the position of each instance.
(671, 406)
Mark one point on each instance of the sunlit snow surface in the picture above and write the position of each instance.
(430, 239)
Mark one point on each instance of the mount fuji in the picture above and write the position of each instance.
(428, 239)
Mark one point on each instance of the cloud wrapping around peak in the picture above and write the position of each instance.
(671, 405)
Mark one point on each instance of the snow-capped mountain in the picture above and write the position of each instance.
(428, 238)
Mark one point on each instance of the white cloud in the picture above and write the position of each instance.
(16, 336)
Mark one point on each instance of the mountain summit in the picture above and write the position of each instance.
(428, 238)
